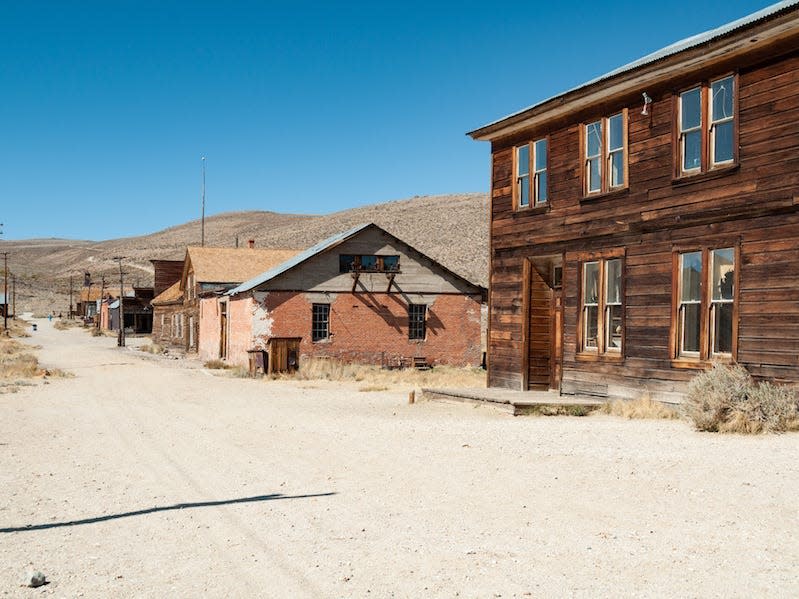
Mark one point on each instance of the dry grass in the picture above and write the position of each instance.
(63, 325)
(643, 408)
(216, 365)
(375, 377)
(16, 364)
(726, 399)
(152, 348)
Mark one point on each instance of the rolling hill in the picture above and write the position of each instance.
(452, 229)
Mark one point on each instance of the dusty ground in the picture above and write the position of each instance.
(148, 478)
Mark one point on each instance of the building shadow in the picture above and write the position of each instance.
(167, 508)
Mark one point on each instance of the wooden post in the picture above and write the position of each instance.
(412, 397)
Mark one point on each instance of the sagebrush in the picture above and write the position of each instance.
(727, 399)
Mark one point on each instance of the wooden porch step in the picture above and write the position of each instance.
(518, 403)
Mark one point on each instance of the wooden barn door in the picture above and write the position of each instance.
(539, 331)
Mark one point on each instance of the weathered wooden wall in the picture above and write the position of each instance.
(754, 205)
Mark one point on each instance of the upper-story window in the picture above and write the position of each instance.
(531, 187)
(706, 126)
(605, 154)
(368, 263)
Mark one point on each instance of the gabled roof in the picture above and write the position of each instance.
(688, 43)
(170, 295)
(231, 265)
(322, 247)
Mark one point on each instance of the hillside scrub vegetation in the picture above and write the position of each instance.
(726, 399)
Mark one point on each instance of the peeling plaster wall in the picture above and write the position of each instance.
(262, 320)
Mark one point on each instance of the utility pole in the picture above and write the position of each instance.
(70, 298)
(5, 292)
(202, 225)
(102, 301)
(121, 337)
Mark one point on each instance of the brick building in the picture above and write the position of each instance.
(204, 272)
(360, 296)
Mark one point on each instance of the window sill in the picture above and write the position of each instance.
(540, 209)
(605, 195)
(697, 364)
(715, 173)
(594, 357)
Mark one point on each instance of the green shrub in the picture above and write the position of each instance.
(726, 399)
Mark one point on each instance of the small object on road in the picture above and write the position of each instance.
(34, 325)
(34, 578)
(412, 396)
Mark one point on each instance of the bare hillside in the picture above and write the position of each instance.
(453, 229)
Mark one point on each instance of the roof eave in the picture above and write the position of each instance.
(765, 32)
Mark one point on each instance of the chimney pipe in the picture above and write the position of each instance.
(251, 243)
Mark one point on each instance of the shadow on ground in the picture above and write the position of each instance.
(152, 510)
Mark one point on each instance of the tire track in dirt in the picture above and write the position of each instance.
(182, 432)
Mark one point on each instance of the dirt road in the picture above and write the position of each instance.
(149, 478)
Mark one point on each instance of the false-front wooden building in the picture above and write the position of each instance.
(646, 223)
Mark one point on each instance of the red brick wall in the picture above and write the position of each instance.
(370, 327)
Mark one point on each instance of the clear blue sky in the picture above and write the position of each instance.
(108, 106)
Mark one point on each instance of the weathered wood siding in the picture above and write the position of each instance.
(754, 205)
(417, 273)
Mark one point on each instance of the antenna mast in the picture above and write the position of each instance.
(202, 226)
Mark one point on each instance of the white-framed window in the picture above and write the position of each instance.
(705, 311)
(605, 154)
(602, 307)
(531, 180)
(320, 322)
(706, 129)
(417, 317)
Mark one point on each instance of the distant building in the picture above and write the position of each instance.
(204, 271)
(360, 296)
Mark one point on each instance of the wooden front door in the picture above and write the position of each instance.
(223, 330)
(556, 369)
(539, 333)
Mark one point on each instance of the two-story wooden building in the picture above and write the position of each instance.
(646, 223)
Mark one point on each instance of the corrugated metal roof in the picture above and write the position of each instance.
(675, 48)
(298, 259)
